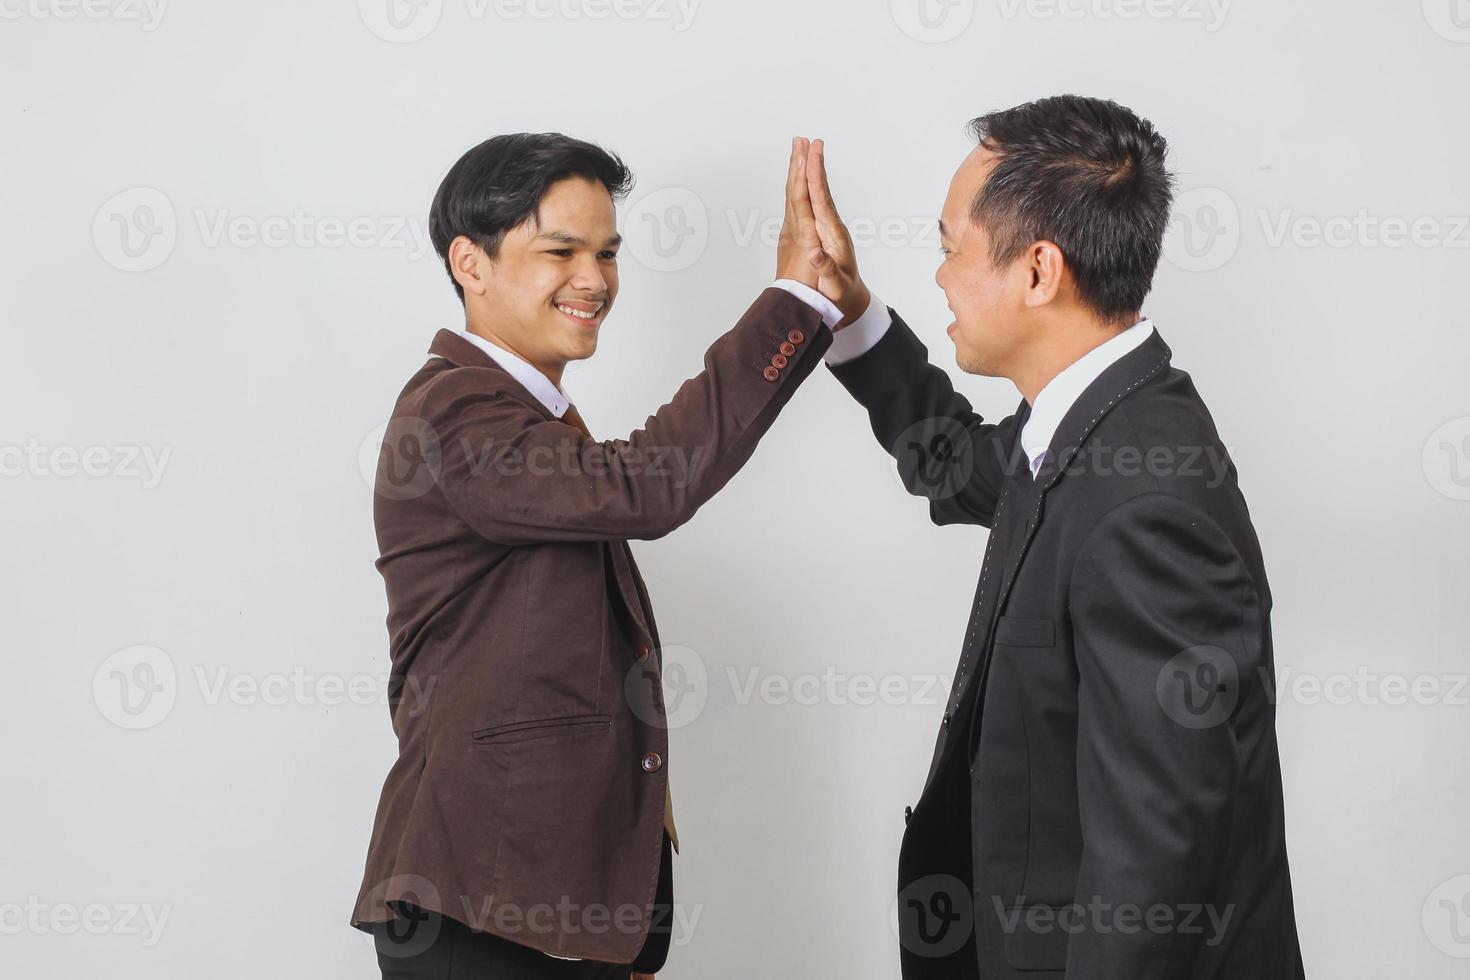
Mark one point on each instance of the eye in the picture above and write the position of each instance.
(945, 252)
(608, 254)
(561, 253)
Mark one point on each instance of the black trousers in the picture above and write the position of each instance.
(424, 945)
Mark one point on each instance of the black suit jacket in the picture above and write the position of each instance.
(1105, 795)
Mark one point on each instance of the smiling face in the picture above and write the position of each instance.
(547, 292)
(988, 301)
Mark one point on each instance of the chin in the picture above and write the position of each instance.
(970, 363)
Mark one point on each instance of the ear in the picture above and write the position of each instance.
(469, 264)
(1044, 269)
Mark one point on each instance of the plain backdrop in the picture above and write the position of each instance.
(216, 279)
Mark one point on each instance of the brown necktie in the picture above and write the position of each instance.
(574, 418)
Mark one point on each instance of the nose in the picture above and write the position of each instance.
(587, 276)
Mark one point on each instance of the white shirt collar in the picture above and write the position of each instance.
(533, 380)
(1061, 392)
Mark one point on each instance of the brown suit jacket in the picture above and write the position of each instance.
(529, 791)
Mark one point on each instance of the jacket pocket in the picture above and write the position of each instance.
(1025, 631)
(522, 731)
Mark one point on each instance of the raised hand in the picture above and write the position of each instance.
(838, 278)
(799, 253)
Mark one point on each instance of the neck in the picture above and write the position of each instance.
(1062, 344)
(552, 369)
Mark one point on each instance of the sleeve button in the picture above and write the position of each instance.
(771, 373)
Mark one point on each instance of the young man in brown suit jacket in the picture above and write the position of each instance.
(525, 828)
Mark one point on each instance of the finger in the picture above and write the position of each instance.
(816, 177)
(829, 223)
(799, 191)
(793, 173)
(796, 176)
(799, 197)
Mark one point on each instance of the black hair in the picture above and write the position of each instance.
(500, 183)
(1088, 175)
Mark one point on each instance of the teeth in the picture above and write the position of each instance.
(577, 313)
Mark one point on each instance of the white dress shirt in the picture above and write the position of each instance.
(538, 384)
(1061, 393)
(1052, 402)
(555, 398)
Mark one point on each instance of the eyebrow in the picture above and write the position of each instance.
(943, 232)
(567, 238)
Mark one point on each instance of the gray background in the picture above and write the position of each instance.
(214, 257)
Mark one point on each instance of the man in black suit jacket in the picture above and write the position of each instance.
(1105, 796)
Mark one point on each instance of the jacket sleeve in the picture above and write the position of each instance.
(1163, 614)
(517, 477)
(945, 451)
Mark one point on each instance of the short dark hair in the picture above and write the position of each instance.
(500, 183)
(1088, 175)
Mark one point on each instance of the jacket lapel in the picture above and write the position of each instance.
(621, 558)
(1130, 371)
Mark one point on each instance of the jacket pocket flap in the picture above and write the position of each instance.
(515, 731)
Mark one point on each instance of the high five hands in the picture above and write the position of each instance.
(814, 247)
